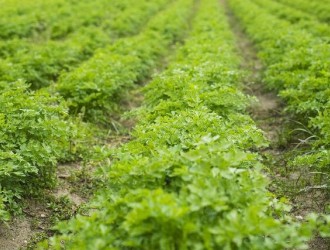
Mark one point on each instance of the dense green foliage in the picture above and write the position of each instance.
(300, 19)
(56, 18)
(320, 9)
(36, 130)
(35, 133)
(189, 179)
(96, 85)
(41, 64)
(298, 67)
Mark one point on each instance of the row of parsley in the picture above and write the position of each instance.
(98, 84)
(54, 19)
(190, 178)
(40, 63)
(320, 9)
(298, 67)
(36, 128)
(300, 19)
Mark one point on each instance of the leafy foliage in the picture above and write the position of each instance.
(189, 179)
(36, 129)
(41, 64)
(298, 67)
(319, 9)
(300, 19)
(26, 19)
(35, 133)
(96, 86)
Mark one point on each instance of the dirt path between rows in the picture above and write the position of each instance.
(267, 111)
(270, 118)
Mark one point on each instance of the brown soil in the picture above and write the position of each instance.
(15, 235)
(267, 111)
(65, 187)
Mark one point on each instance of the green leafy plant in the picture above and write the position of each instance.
(96, 87)
(40, 65)
(36, 133)
(189, 179)
(320, 10)
(298, 68)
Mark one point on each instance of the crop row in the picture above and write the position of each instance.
(300, 19)
(298, 67)
(95, 86)
(55, 18)
(320, 9)
(189, 178)
(36, 129)
(39, 65)
(35, 133)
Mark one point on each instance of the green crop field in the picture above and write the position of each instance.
(164, 124)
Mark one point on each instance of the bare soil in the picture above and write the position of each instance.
(15, 235)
